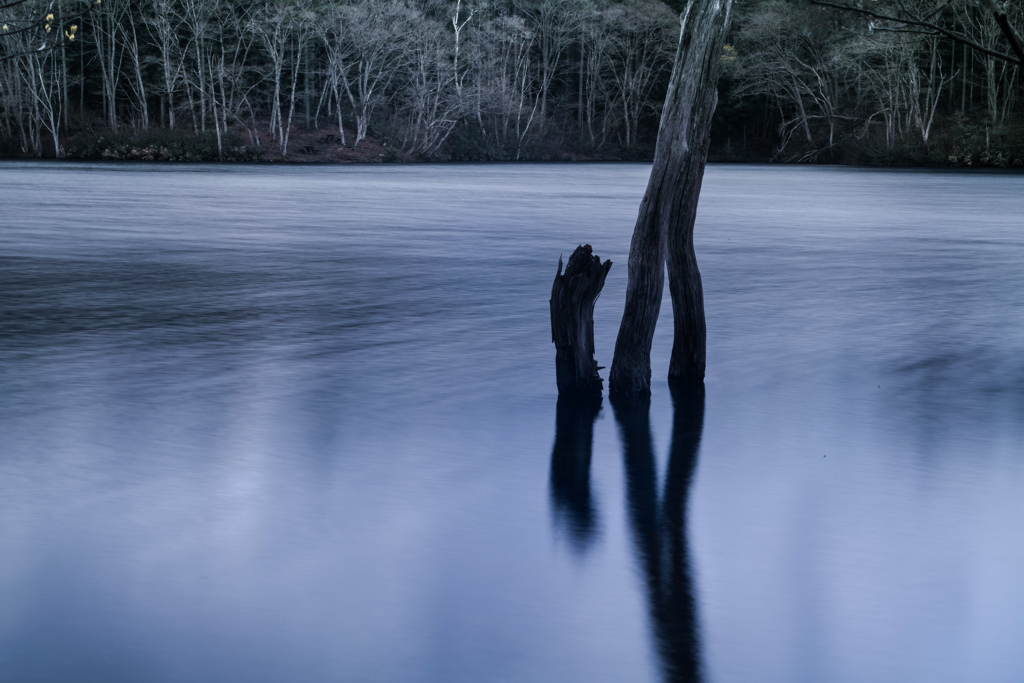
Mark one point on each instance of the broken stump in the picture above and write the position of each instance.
(573, 296)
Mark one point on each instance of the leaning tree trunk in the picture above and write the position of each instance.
(573, 295)
(664, 228)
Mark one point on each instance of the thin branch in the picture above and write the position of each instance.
(23, 29)
(999, 13)
(938, 10)
(13, 4)
(914, 31)
(952, 35)
(42, 48)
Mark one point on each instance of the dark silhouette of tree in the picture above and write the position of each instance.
(664, 228)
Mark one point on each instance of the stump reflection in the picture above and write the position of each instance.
(572, 501)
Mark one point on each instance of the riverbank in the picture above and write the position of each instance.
(959, 144)
(305, 145)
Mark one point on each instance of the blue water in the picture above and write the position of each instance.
(299, 424)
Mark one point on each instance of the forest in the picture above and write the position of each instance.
(393, 80)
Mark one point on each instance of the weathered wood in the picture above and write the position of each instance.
(664, 227)
(689, 347)
(573, 295)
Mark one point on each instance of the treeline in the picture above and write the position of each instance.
(434, 78)
(497, 79)
(831, 85)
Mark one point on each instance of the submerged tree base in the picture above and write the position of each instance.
(573, 295)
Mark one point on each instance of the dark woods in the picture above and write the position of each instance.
(428, 79)
(807, 81)
(508, 79)
(657, 515)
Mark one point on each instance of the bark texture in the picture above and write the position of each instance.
(573, 295)
(664, 227)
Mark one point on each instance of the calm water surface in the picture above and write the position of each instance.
(265, 424)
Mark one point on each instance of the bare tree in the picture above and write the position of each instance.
(162, 21)
(32, 69)
(552, 23)
(376, 35)
(28, 26)
(271, 24)
(514, 96)
(664, 228)
(45, 88)
(459, 20)
(799, 64)
(432, 99)
(596, 38)
(130, 39)
(638, 53)
(418, 70)
(925, 17)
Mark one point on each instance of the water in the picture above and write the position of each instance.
(267, 424)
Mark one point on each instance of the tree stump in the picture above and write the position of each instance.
(573, 296)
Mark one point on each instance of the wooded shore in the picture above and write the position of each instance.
(461, 80)
(1004, 149)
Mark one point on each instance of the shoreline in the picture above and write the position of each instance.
(1013, 170)
(325, 146)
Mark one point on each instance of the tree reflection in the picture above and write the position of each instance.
(659, 526)
(658, 523)
(571, 499)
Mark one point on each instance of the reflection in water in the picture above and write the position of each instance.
(276, 430)
(571, 499)
(659, 527)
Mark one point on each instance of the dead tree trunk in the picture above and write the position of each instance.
(664, 228)
(573, 295)
(689, 348)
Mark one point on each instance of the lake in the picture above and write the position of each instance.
(298, 423)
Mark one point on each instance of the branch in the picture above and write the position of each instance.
(999, 13)
(42, 48)
(23, 29)
(952, 35)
